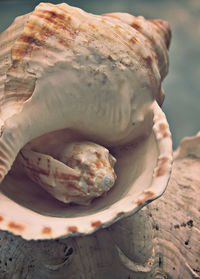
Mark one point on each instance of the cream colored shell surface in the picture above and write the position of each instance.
(69, 75)
(94, 74)
(143, 169)
(78, 172)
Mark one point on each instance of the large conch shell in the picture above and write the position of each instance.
(73, 76)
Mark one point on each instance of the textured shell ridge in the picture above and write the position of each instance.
(158, 35)
(7, 40)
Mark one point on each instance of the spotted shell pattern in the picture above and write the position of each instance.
(90, 171)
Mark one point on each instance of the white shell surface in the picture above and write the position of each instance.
(143, 169)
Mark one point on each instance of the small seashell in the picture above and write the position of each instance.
(87, 171)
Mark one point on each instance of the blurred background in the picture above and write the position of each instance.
(182, 85)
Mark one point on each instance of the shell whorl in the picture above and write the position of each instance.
(124, 67)
(158, 34)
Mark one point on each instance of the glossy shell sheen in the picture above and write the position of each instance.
(65, 76)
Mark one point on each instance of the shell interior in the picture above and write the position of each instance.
(62, 68)
(142, 169)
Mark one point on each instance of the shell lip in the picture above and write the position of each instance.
(48, 227)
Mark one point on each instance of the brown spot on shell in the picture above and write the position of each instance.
(133, 40)
(136, 25)
(161, 169)
(18, 53)
(98, 155)
(92, 25)
(73, 186)
(98, 164)
(160, 21)
(148, 61)
(88, 181)
(46, 230)
(156, 21)
(51, 15)
(96, 224)
(66, 177)
(162, 127)
(163, 130)
(15, 226)
(117, 27)
(104, 163)
(110, 58)
(139, 202)
(165, 135)
(1, 218)
(29, 39)
(91, 173)
(72, 229)
(99, 160)
(59, 20)
(147, 196)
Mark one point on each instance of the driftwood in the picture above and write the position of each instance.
(160, 241)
